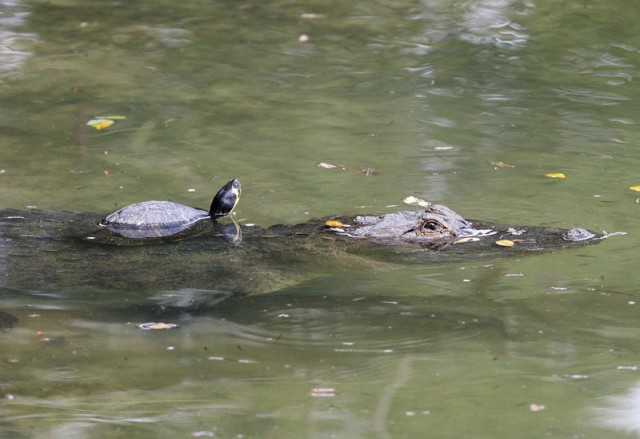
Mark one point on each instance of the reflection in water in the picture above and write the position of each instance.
(486, 22)
(427, 93)
(622, 412)
(479, 22)
(12, 43)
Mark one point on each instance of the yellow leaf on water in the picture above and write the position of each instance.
(333, 223)
(505, 243)
(556, 175)
(100, 124)
(634, 188)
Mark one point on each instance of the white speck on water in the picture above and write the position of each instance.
(203, 434)
(171, 348)
(466, 280)
(323, 392)
(631, 302)
(627, 368)
(191, 190)
(576, 376)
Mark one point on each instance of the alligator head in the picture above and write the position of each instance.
(437, 227)
(433, 228)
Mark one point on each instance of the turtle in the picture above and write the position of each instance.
(162, 219)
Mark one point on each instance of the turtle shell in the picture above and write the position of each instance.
(154, 219)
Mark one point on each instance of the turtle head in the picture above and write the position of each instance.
(225, 200)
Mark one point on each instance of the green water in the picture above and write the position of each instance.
(427, 94)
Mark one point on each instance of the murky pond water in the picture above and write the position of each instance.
(428, 94)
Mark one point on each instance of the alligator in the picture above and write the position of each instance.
(65, 251)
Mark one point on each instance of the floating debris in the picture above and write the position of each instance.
(203, 433)
(157, 325)
(365, 351)
(311, 15)
(559, 175)
(635, 188)
(515, 232)
(576, 376)
(322, 392)
(536, 407)
(239, 360)
(466, 239)
(102, 122)
(334, 224)
(502, 165)
(348, 168)
(627, 368)
(609, 235)
(415, 201)
(505, 243)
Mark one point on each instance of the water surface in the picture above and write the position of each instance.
(427, 94)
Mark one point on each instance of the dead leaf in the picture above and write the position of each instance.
(556, 175)
(157, 325)
(502, 165)
(466, 239)
(100, 124)
(415, 201)
(348, 168)
(634, 188)
(505, 243)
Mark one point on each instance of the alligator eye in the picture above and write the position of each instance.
(429, 225)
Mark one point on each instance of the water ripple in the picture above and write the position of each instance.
(13, 45)
(588, 96)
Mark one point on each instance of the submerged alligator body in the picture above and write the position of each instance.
(63, 251)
